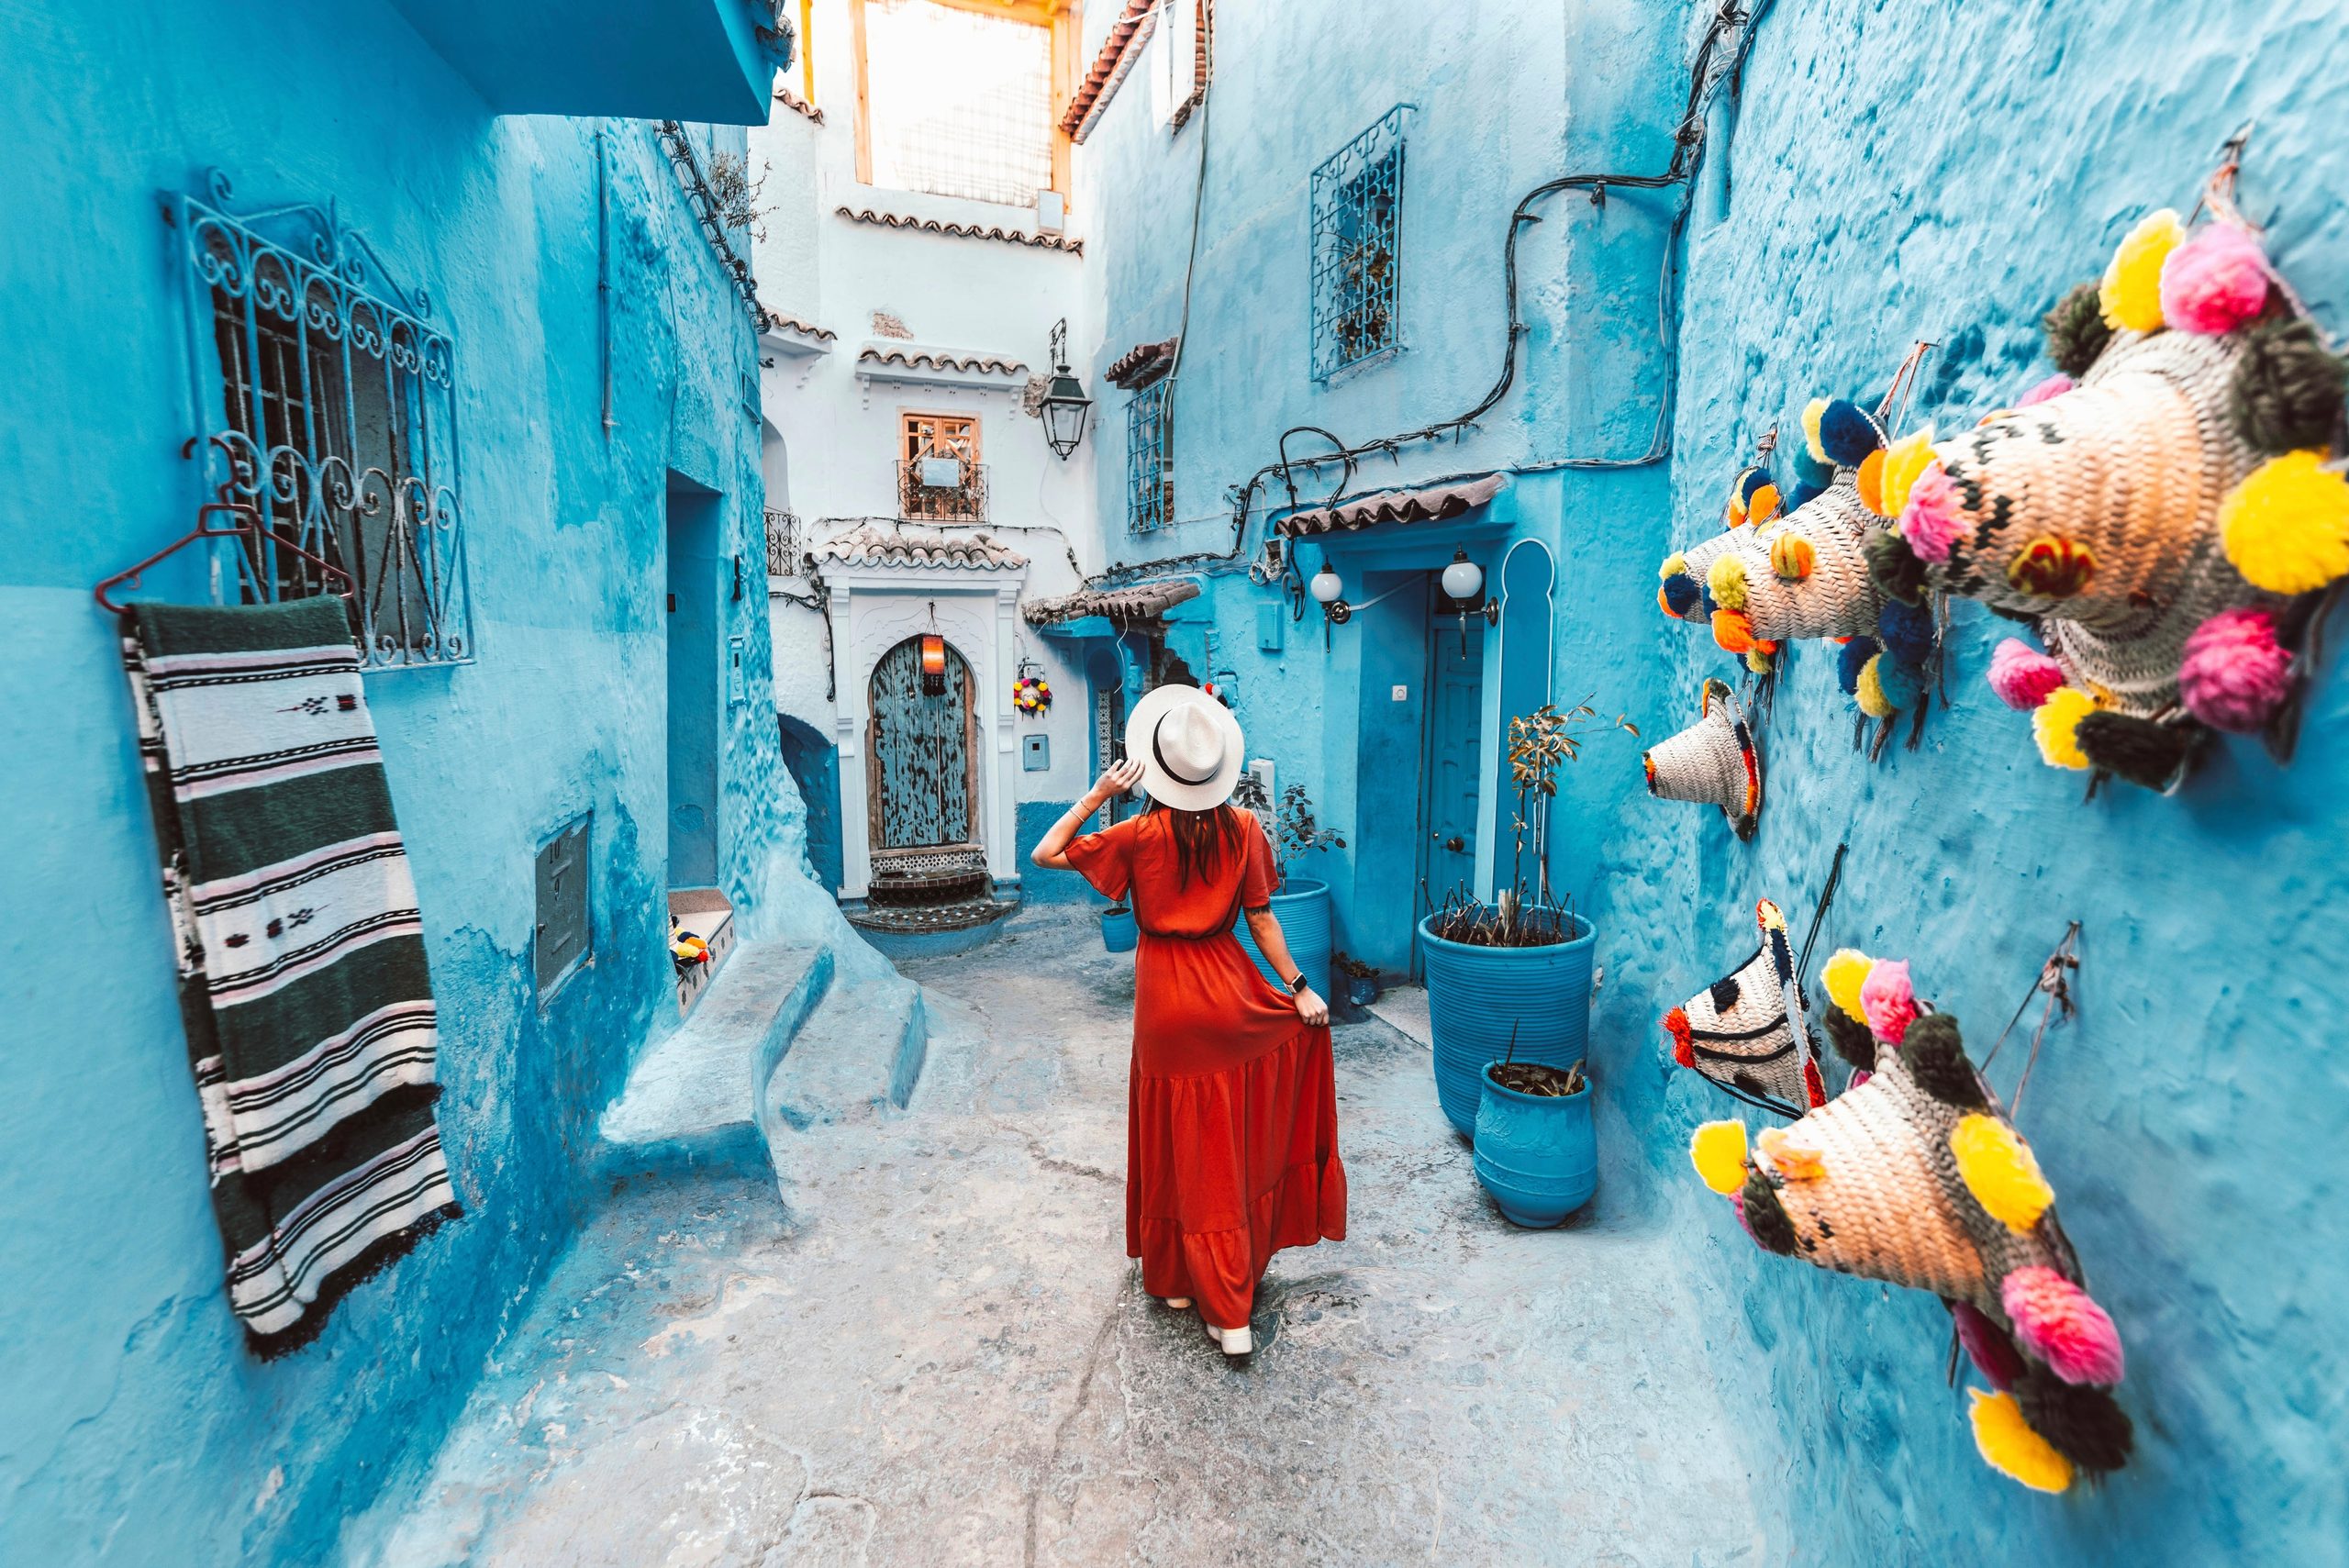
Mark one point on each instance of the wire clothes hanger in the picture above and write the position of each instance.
(248, 529)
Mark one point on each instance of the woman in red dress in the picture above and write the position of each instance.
(1231, 1117)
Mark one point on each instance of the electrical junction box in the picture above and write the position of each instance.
(561, 886)
(736, 676)
(1036, 753)
(1272, 626)
(1398, 694)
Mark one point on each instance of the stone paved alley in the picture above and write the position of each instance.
(935, 1352)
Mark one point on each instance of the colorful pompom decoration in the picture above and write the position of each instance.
(1718, 1151)
(1869, 482)
(2145, 751)
(1726, 578)
(1887, 1000)
(1812, 470)
(2131, 292)
(2235, 674)
(1795, 1157)
(1904, 461)
(1753, 498)
(1675, 565)
(1803, 495)
(2287, 390)
(2051, 567)
(1684, 1049)
(1845, 432)
(1937, 1062)
(1812, 412)
(1792, 557)
(2009, 1446)
(1930, 519)
(2076, 331)
(2055, 1320)
(1987, 1345)
(2047, 391)
(1894, 567)
(1680, 594)
(1030, 695)
(2055, 723)
(2000, 1169)
(2215, 281)
(1735, 634)
(2022, 675)
(1888, 686)
(1850, 659)
(1758, 661)
(1907, 632)
(2286, 527)
(1845, 975)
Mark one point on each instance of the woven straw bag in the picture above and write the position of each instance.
(1839, 599)
(1701, 555)
(1746, 1031)
(1711, 763)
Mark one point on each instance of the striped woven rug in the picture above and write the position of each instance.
(303, 984)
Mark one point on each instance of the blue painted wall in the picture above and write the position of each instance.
(134, 1428)
(1890, 169)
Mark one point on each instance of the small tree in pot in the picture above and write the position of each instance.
(1510, 980)
(1302, 904)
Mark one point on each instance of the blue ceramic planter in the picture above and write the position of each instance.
(1303, 910)
(1535, 1153)
(1478, 997)
(1119, 931)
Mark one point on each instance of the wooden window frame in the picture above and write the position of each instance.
(905, 415)
(1063, 18)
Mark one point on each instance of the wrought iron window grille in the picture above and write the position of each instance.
(1357, 205)
(327, 401)
(942, 489)
(786, 545)
(1149, 460)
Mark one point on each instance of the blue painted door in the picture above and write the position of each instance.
(816, 767)
(922, 747)
(1455, 712)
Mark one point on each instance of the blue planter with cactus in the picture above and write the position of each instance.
(1536, 1154)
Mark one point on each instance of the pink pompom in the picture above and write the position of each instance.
(2235, 674)
(1987, 1345)
(1886, 998)
(1860, 1077)
(1931, 521)
(2058, 1322)
(2215, 281)
(2054, 386)
(2022, 675)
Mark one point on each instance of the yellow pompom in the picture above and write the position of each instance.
(2286, 527)
(1674, 565)
(1758, 661)
(1870, 479)
(2130, 294)
(1718, 1151)
(1999, 1168)
(2055, 724)
(1810, 413)
(2009, 1447)
(1869, 690)
(1907, 458)
(1727, 580)
(1792, 559)
(1844, 976)
(1794, 1156)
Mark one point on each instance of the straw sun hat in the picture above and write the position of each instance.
(1188, 745)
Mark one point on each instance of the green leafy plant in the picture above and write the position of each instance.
(1297, 830)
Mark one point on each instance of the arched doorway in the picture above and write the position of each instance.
(815, 766)
(923, 780)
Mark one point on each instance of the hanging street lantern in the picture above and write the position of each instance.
(1065, 406)
(933, 665)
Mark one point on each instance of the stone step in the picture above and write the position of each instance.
(856, 1059)
(692, 1102)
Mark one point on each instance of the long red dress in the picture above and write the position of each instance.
(1232, 1149)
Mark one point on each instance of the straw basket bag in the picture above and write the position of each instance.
(1836, 597)
(1712, 762)
(1746, 1032)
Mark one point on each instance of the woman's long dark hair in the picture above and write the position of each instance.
(1201, 838)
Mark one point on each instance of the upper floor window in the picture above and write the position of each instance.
(939, 477)
(1149, 459)
(1357, 248)
(957, 98)
(328, 404)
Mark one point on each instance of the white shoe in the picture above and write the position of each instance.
(1235, 1341)
(1178, 1303)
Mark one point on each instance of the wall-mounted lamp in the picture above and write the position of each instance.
(1464, 583)
(1065, 406)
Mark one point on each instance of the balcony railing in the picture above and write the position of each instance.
(786, 544)
(942, 490)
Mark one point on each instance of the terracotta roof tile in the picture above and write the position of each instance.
(792, 323)
(926, 359)
(877, 541)
(1110, 66)
(1142, 363)
(963, 230)
(1138, 601)
(1431, 502)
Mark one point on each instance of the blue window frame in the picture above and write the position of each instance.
(1357, 248)
(325, 403)
(1149, 460)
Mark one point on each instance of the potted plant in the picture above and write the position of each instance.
(1509, 981)
(1361, 980)
(1119, 931)
(1302, 904)
(1535, 1150)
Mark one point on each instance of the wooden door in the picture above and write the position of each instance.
(922, 776)
(1455, 714)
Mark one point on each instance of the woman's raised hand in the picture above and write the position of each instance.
(1119, 779)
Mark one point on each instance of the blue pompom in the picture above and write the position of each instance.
(1848, 432)
(1704, 598)
(1748, 482)
(1849, 661)
(1809, 470)
(1903, 683)
(1802, 494)
(1681, 593)
(1905, 631)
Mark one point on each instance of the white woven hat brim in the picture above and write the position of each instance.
(1163, 786)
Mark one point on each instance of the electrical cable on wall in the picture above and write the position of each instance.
(1706, 82)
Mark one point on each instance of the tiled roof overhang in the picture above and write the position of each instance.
(883, 543)
(1432, 503)
(1140, 602)
(963, 230)
(1118, 52)
(926, 359)
(1141, 365)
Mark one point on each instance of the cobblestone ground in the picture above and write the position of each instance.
(933, 1351)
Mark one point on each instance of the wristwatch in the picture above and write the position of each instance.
(1296, 986)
